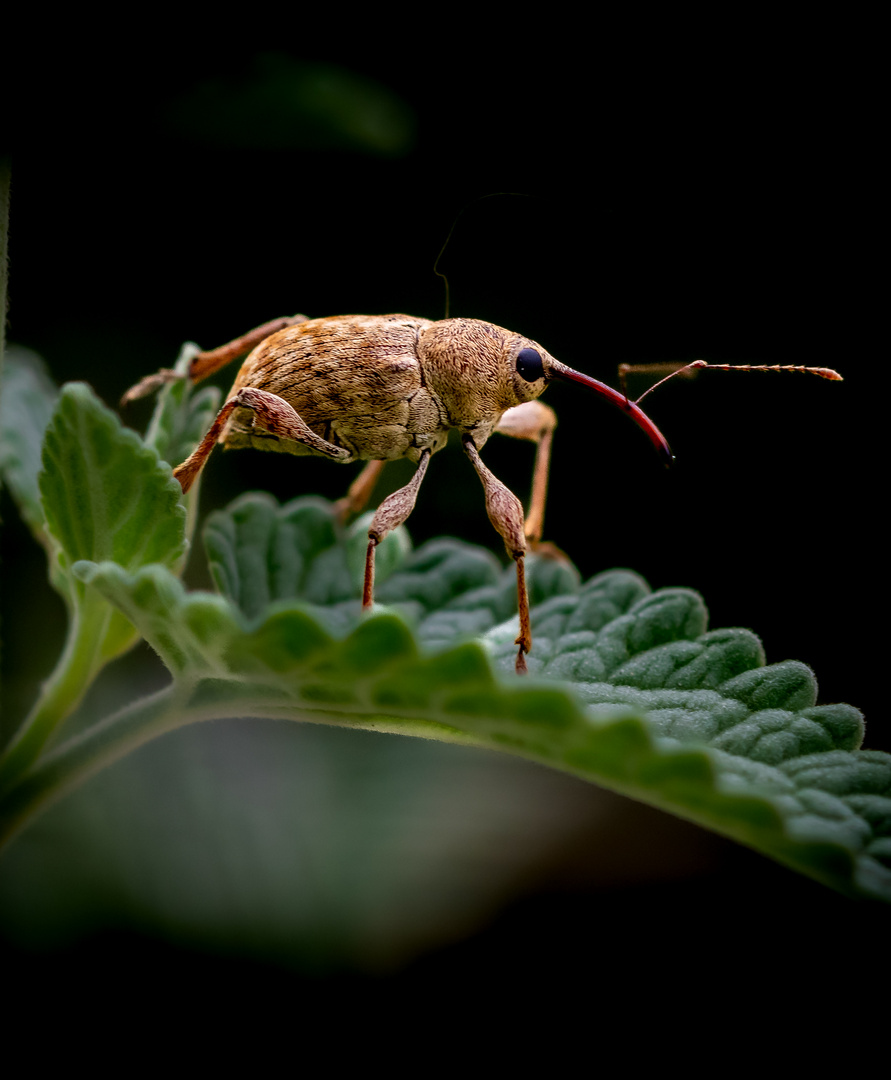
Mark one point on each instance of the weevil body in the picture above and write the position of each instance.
(380, 387)
(386, 387)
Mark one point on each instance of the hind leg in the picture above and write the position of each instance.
(273, 414)
(205, 364)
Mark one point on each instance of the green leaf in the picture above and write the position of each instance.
(629, 688)
(295, 842)
(181, 415)
(259, 552)
(105, 494)
(192, 633)
(26, 404)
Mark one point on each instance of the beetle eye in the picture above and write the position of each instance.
(529, 365)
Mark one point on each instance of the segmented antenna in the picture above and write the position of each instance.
(625, 369)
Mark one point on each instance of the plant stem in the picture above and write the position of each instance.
(63, 691)
(67, 767)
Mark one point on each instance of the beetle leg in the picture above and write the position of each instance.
(506, 514)
(535, 421)
(272, 413)
(149, 385)
(392, 511)
(205, 364)
(356, 498)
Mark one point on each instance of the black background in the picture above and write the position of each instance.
(673, 197)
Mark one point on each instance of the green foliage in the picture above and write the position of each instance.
(627, 687)
(101, 494)
(105, 494)
(26, 405)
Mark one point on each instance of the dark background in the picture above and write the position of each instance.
(666, 199)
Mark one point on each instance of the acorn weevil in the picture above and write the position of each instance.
(380, 387)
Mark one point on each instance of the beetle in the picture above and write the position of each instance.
(377, 388)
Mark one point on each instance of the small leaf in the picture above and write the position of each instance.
(26, 404)
(106, 495)
(260, 552)
(103, 495)
(182, 415)
(192, 633)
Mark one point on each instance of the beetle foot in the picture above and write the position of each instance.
(149, 385)
(520, 665)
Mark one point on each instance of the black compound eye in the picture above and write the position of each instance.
(529, 365)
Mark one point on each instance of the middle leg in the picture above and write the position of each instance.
(393, 511)
(274, 414)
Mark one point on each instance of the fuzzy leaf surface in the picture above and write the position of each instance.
(105, 494)
(628, 688)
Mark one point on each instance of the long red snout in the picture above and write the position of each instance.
(561, 371)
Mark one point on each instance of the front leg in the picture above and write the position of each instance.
(506, 514)
(270, 412)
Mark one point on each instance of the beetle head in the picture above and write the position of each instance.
(479, 370)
